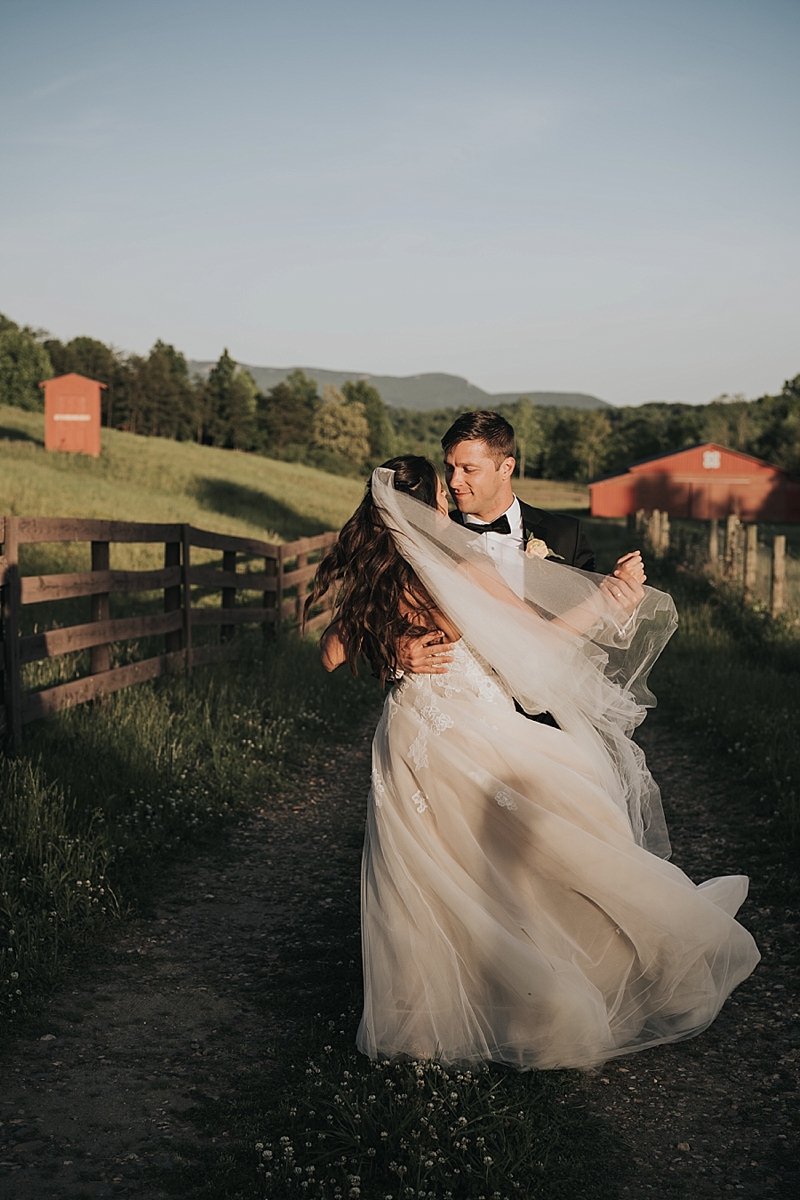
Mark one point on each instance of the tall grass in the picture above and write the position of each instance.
(104, 793)
(155, 479)
(730, 677)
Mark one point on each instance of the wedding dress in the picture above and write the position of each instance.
(510, 910)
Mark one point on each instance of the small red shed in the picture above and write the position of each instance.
(702, 481)
(72, 414)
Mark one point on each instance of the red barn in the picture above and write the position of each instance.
(72, 414)
(703, 481)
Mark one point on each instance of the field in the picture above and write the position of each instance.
(104, 798)
(155, 479)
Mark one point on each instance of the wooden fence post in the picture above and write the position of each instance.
(279, 588)
(101, 561)
(11, 608)
(778, 589)
(663, 534)
(750, 573)
(302, 561)
(172, 596)
(657, 530)
(641, 521)
(270, 599)
(713, 543)
(186, 557)
(731, 545)
(226, 632)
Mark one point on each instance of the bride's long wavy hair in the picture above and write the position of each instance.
(379, 599)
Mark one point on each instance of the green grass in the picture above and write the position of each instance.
(103, 794)
(730, 677)
(150, 480)
(155, 479)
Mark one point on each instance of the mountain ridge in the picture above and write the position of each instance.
(422, 393)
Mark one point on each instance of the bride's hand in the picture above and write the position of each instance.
(426, 655)
(622, 593)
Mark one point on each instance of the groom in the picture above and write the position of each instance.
(480, 456)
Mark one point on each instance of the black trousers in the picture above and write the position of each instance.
(542, 718)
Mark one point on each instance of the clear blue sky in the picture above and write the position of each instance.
(592, 195)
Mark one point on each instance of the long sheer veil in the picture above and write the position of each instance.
(564, 648)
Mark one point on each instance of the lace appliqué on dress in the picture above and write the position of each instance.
(503, 798)
(432, 720)
(470, 672)
(378, 787)
(420, 802)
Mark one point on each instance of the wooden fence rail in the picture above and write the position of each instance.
(287, 569)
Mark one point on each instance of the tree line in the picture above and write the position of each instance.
(578, 444)
(343, 431)
(348, 431)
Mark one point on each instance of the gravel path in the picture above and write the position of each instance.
(179, 1014)
(718, 1116)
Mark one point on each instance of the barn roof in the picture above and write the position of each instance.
(73, 375)
(640, 462)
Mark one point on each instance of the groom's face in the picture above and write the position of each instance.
(479, 486)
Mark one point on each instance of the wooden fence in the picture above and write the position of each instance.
(736, 559)
(283, 585)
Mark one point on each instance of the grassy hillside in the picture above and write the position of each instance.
(154, 479)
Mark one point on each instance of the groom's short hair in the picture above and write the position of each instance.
(483, 426)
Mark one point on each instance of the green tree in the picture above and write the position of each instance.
(341, 429)
(159, 399)
(242, 404)
(528, 429)
(95, 360)
(591, 443)
(285, 417)
(24, 364)
(231, 405)
(650, 429)
(778, 418)
(732, 421)
(381, 434)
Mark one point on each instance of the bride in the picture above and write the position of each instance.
(517, 905)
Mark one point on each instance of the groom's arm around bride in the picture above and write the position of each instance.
(480, 456)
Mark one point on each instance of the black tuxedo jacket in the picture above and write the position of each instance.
(562, 535)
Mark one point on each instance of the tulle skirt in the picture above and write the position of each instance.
(507, 913)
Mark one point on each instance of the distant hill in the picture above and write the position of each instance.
(424, 393)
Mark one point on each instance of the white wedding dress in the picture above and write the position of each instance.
(513, 909)
(508, 914)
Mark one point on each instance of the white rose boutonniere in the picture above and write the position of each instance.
(538, 548)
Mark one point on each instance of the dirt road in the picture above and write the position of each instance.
(116, 1093)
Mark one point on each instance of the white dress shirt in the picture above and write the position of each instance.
(506, 549)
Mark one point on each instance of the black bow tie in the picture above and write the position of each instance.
(501, 525)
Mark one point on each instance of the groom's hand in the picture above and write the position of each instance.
(426, 655)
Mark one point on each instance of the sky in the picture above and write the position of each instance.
(551, 195)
